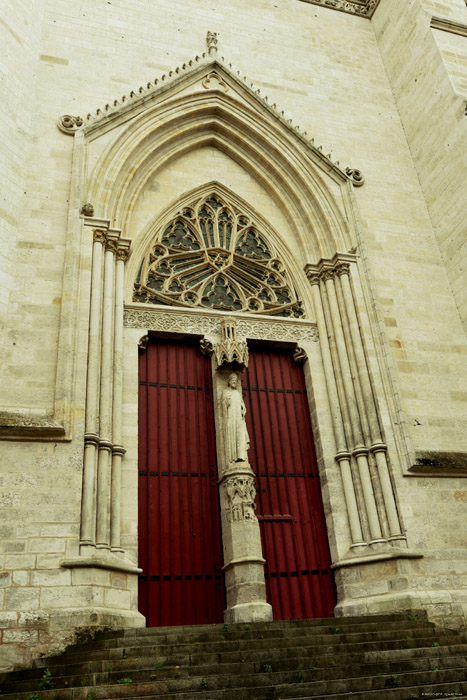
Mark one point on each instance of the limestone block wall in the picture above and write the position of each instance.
(430, 95)
(351, 101)
(21, 28)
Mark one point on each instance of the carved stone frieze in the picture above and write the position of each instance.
(362, 8)
(177, 323)
(241, 493)
(69, 124)
(202, 324)
(277, 331)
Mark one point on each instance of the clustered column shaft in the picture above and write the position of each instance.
(100, 513)
(357, 431)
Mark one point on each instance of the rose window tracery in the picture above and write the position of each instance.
(212, 255)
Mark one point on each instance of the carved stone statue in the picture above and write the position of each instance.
(237, 441)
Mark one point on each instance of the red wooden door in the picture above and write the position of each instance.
(180, 548)
(298, 576)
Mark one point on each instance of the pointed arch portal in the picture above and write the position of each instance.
(267, 243)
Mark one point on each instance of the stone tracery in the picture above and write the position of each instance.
(212, 255)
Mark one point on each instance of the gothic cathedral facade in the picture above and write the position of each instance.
(234, 381)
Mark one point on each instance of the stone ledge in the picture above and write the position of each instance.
(448, 25)
(377, 557)
(101, 562)
(439, 464)
(30, 426)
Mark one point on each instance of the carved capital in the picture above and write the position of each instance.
(240, 494)
(327, 275)
(111, 246)
(123, 254)
(87, 209)
(69, 124)
(313, 277)
(355, 176)
(342, 268)
(99, 236)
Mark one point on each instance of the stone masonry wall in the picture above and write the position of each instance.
(428, 92)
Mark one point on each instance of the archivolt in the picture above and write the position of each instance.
(260, 143)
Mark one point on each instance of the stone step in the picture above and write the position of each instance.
(410, 657)
(234, 632)
(231, 688)
(282, 671)
(416, 637)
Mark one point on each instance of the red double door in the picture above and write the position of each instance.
(180, 548)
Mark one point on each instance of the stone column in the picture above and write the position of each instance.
(378, 448)
(343, 455)
(91, 438)
(117, 449)
(349, 383)
(105, 403)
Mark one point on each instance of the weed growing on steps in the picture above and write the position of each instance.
(335, 630)
(204, 684)
(435, 644)
(123, 681)
(412, 618)
(266, 668)
(45, 683)
(91, 696)
(394, 681)
(299, 674)
(107, 668)
(225, 628)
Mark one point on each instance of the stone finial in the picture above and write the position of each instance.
(69, 124)
(211, 41)
(230, 349)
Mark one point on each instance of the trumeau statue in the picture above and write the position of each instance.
(237, 441)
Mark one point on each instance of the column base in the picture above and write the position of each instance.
(256, 611)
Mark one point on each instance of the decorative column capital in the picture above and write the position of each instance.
(313, 276)
(342, 268)
(327, 275)
(123, 253)
(110, 245)
(99, 235)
